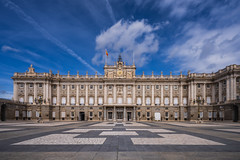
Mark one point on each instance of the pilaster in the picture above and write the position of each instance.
(153, 104)
(143, 95)
(95, 95)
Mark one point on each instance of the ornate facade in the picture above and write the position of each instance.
(121, 95)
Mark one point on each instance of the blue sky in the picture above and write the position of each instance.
(164, 35)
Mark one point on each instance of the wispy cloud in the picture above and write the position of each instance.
(6, 94)
(6, 48)
(110, 11)
(44, 32)
(127, 37)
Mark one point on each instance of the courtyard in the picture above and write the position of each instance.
(119, 140)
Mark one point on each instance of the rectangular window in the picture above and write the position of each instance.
(110, 100)
(199, 85)
(72, 114)
(72, 100)
(63, 87)
(100, 86)
(24, 114)
(37, 114)
(138, 87)
(40, 85)
(129, 100)
(21, 85)
(90, 114)
(184, 101)
(157, 86)
(81, 101)
(139, 102)
(175, 87)
(185, 115)
(148, 101)
(53, 114)
(63, 100)
(208, 100)
(166, 101)
(16, 113)
(166, 87)
(110, 87)
(175, 115)
(184, 87)
(91, 86)
(82, 86)
(139, 114)
(166, 114)
(201, 114)
(21, 99)
(63, 114)
(148, 114)
(210, 114)
(31, 85)
(147, 87)
(54, 86)
(208, 86)
(73, 86)
(100, 100)
(119, 100)
(175, 101)
(29, 114)
(99, 114)
(157, 101)
(54, 100)
(90, 100)
(129, 87)
(30, 99)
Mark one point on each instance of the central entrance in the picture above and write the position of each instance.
(119, 116)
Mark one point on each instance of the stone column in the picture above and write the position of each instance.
(86, 95)
(47, 96)
(220, 92)
(189, 94)
(34, 92)
(15, 91)
(124, 94)
(114, 113)
(114, 94)
(44, 92)
(58, 94)
(231, 87)
(192, 91)
(134, 94)
(77, 95)
(143, 95)
(50, 93)
(234, 88)
(134, 113)
(181, 97)
(105, 113)
(213, 94)
(171, 96)
(162, 95)
(124, 114)
(153, 104)
(228, 88)
(25, 92)
(95, 96)
(204, 94)
(105, 94)
(68, 95)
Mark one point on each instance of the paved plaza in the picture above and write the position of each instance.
(119, 140)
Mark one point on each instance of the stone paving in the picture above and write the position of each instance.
(119, 140)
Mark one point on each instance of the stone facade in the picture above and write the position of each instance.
(121, 95)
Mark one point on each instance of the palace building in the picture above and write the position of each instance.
(121, 95)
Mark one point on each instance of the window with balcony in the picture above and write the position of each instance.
(63, 100)
(208, 100)
(21, 99)
(81, 100)
(129, 100)
(90, 100)
(54, 100)
(110, 100)
(157, 101)
(100, 100)
(119, 100)
(148, 101)
(30, 99)
(139, 102)
(184, 101)
(166, 101)
(175, 101)
(72, 100)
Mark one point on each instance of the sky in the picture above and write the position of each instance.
(163, 35)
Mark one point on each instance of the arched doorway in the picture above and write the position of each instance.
(3, 112)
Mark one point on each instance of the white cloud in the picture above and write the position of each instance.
(128, 38)
(8, 48)
(5, 94)
(207, 50)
